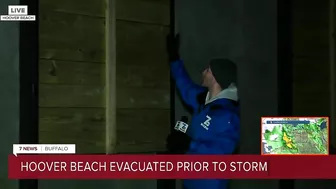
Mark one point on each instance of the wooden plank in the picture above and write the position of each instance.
(311, 28)
(71, 95)
(133, 124)
(313, 88)
(147, 11)
(310, 12)
(142, 130)
(154, 76)
(84, 127)
(311, 108)
(311, 18)
(305, 98)
(311, 50)
(111, 84)
(72, 37)
(311, 41)
(84, 7)
(310, 70)
(141, 44)
(139, 98)
(311, 35)
(310, 5)
(311, 98)
(93, 96)
(72, 73)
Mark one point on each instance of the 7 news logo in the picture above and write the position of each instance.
(17, 13)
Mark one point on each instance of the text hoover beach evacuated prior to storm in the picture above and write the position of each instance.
(233, 166)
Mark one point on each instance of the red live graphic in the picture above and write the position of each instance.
(170, 167)
(134, 166)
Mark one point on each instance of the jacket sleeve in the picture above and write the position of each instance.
(221, 138)
(185, 85)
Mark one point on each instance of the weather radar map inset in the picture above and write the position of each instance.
(294, 136)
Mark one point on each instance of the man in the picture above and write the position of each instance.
(214, 128)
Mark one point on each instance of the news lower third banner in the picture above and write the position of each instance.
(72, 166)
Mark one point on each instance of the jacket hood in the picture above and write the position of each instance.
(230, 93)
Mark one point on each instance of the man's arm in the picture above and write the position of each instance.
(187, 88)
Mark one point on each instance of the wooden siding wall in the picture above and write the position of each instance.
(72, 73)
(311, 58)
(313, 69)
(143, 93)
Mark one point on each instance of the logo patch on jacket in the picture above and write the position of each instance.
(206, 123)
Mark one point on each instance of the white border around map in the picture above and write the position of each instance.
(265, 126)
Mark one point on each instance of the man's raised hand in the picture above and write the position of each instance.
(173, 47)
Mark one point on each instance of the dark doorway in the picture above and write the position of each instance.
(29, 83)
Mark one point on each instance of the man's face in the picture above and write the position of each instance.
(207, 78)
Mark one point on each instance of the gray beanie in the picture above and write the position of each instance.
(224, 71)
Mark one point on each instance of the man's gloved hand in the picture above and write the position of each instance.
(178, 142)
(173, 47)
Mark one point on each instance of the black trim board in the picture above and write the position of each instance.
(170, 183)
(285, 70)
(28, 133)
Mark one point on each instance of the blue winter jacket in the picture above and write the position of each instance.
(213, 131)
